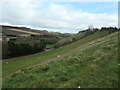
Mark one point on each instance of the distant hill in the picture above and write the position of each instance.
(21, 31)
(33, 40)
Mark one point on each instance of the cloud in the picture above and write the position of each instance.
(52, 16)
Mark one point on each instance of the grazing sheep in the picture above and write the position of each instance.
(6, 62)
(78, 86)
(92, 42)
(98, 40)
(45, 69)
(58, 56)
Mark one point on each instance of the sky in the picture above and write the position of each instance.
(64, 17)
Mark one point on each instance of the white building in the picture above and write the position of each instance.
(90, 27)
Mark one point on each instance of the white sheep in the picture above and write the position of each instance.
(6, 62)
(92, 42)
(58, 56)
(78, 86)
(98, 40)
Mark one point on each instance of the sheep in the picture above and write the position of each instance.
(98, 40)
(78, 86)
(90, 43)
(58, 56)
(6, 62)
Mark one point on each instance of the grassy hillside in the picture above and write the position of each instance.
(71, 37)
(87, 66)
(79, 36)
(83, 34)
(22, 62)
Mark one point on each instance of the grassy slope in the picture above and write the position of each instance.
(94, 67)
(49, 46)
(71, 37)
(19, 63)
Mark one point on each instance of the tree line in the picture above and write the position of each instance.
(13, 49)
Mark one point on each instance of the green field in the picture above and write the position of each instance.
(49, 46)
(79, 64)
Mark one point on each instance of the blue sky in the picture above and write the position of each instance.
(63, 17)
(92, 7)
